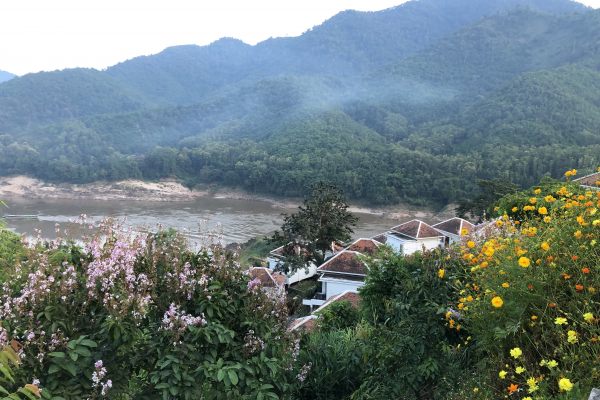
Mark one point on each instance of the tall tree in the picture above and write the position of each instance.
(321, 220)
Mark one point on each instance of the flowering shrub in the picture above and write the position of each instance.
(529, 294)
(136, 315)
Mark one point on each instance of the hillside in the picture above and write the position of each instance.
(414, 103)
(5, 76)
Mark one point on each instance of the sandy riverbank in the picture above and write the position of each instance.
(173, 191)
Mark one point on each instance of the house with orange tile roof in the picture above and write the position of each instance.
(412, 236)
(454, 229)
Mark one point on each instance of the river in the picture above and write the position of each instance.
(234, 219)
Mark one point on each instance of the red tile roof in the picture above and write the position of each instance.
(381, 238)
(589, 180)
(350, 296)
(266, 277)
(455, 226)
(416, 229)
(307, 323)
(344, 262)
(364, 246)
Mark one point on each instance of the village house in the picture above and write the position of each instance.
(267, 280)
(412, 236)
(276, 259)
(454, 228)
(344, 271)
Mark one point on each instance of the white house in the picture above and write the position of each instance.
(454, 228)
(342, 272)
(413, 236)
(276, 258)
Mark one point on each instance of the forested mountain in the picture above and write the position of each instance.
(414, 103)
(5, 76)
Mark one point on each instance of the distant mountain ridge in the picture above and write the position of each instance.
(5, 76)
(414, 103)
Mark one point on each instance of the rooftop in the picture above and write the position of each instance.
(365, 246)
(344, 262)
(416, 229)
(455, 226)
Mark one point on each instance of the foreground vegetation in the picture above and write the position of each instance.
(511, 312)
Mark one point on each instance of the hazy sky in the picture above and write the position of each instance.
(45, 35)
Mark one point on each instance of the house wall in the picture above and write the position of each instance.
(298, 275)
(331, 287)
(417, 245)
(395, 243)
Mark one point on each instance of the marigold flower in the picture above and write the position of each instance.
(533, 200)
(516, 352)
(497, 302)
(578, 234)
(588, 317)
(534, 317)
(505, 285)
(514, 209)
(545, 246)
(524, 262)
(552, 364)
(585, 270)
(502, 374)
(572, 337)
(513, 388)
(470, 244)
(565, 385)
(560, 321)
(579, 287)
(542, 210)
(441, 273)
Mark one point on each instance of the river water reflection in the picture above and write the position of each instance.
(236, 220)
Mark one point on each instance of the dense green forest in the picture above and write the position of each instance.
(415, 103)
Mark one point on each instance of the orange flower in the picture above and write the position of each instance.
(512, 388)
(585, 270)
(579, 287)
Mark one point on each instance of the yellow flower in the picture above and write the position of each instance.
(560, 321)
(565, 385)
(543, 210)
(464, 232)
(533, 200)
(547, 219)
(588, 317)
(572, 337)
(524, 262)
(552, 364)
(519, 370)
(470, 244)
(502, 374)
(532, 383)
(537, 191)
(578, 234)
(506, 285)
(441, 273)
(549, 199)
(515, 209)
(527, 398)
(516, 352)
(545, 246)
(497, 302)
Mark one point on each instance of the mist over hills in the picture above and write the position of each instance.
(414, 103)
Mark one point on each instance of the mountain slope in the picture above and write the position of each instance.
(5, 76)
(54, 96)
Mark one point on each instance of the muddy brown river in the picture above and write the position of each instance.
(235, 220)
